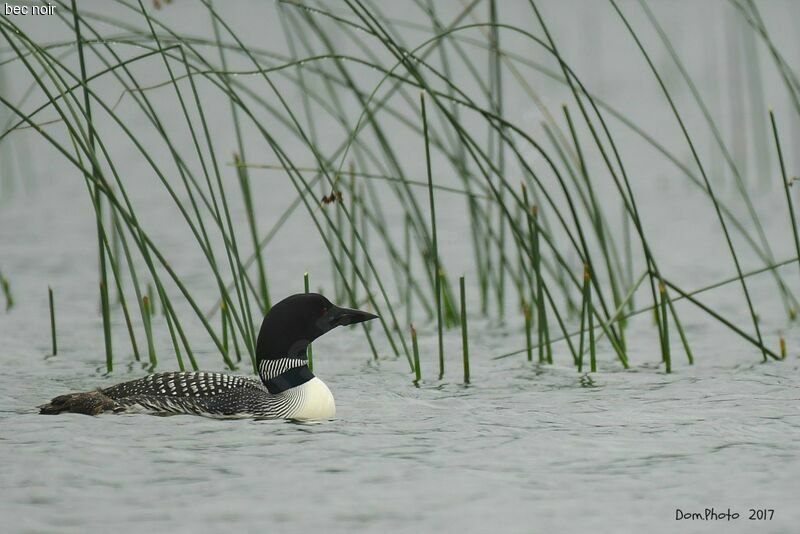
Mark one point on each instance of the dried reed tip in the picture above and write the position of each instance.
(534, 210)
(413, 332)
(146, 300)
(586, 274)
(335, 196)
(237, 160)
(222, 306)
(662, 288)
(783, 347)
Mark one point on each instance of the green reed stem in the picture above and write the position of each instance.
(437, 270)
(106, 326)
(464, 332)
(592, 344)
(365, 236)
(148, 327)
(679, 327)
(415, 350)
(407, 256)
(341, 288)
(137, 290)
(526, 312)
(224, 318)
(115, 252)
(586, 292)
(97, 176)
(786, 183)
(152, 298)
(353, 243)
(5, 285)
(529, 219)
(244, 184)
(172, 337)
(545, 349)
(52, 320)
(310, 350)
(662, 289)
(234, 339)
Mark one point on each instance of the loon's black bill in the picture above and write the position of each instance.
(346, 316)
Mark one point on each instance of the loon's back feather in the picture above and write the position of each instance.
(199, 392)
(196, 384)
(215, 394)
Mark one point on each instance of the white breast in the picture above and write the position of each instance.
(316, 402)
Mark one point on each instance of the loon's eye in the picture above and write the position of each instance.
(324, 310)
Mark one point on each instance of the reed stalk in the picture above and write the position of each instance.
(585, 310)
(665, 350)
(5, 285)
(224, 321)
(52, 320)
(247, 196)
(97, 178)
(408, 294)
(148, 314)
(464, 332)
(526, 312)
(310, 350)
(151, 298)
(176, 347)
(415, 350)
(592, 344)
(436, 266)
(353, 242)
(785, 183)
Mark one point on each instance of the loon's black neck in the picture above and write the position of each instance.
(291, 378)
(280, 374)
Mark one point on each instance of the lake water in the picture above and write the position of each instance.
(524, 448)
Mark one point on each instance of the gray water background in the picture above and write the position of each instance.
(524, 448)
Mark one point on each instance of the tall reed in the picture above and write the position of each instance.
(310, 349)
(525, 243)
(434, 254)
(464, 330)
(5, 286)
(52, 320)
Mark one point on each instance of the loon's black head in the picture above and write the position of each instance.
(296, 321)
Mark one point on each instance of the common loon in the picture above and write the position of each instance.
(287, 389)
